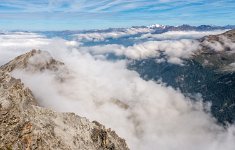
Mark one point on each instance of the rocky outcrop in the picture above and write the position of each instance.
(25, 125)
(35, 60)
(229, 35)
(217, 51)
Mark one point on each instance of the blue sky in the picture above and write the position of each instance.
(96, 14)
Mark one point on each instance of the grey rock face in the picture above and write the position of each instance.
(35, 60)
(25, 125)
(217, 51)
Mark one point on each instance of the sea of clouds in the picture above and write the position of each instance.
(147, 114)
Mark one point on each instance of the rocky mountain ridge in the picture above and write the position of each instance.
(25, 125)
(218, 51)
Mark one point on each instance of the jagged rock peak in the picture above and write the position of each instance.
(35, 60)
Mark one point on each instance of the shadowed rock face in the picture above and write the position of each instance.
(25, 125)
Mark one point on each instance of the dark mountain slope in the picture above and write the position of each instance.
(208, 72)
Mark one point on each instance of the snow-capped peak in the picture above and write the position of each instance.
(156, 26)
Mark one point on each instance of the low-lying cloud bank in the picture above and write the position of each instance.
(102, 36)
(148, 115)
(176, 35)
(13, 44)
(142, 33)
(173, 46)
(173, 51)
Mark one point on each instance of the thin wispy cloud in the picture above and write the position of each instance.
(104, 5)
(116, 13)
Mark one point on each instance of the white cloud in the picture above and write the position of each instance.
(13, 44)
(156, 116)
(174, 51)
(103, 49)
(176, 35)
(146, 33)
(175, 45)
(219, 45)
(102, 36)
(232, 65)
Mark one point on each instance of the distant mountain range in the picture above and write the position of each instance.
(183, 27)
(153, 29)
(157, 27)
(186, 27)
